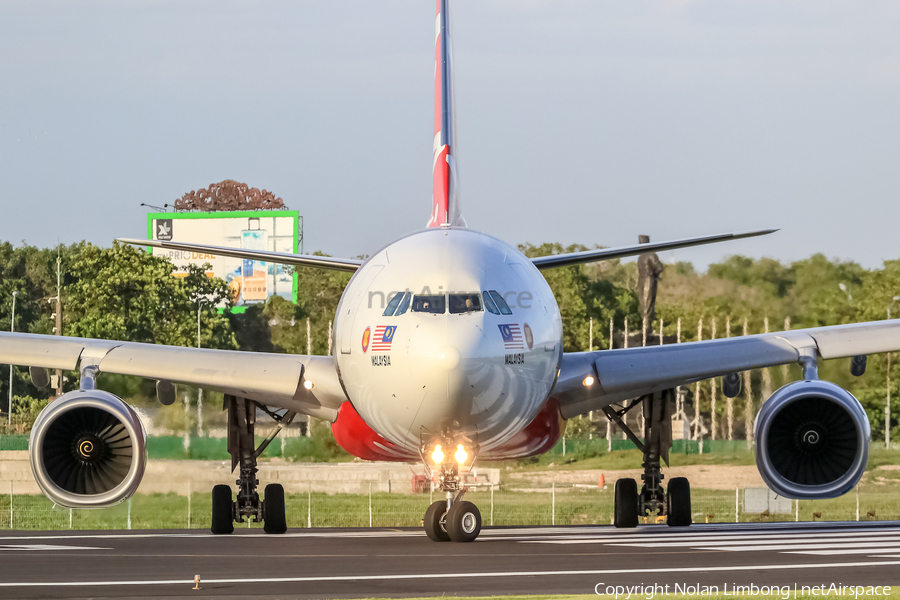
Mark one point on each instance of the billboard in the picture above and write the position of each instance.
(251, 281)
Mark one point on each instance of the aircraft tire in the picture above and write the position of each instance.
(678, 502)
(222, 515)
(626, 507)
(273, 504)
(433, 527)
(463, 522)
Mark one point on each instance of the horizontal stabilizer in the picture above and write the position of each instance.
(588, 256)
(282, 258)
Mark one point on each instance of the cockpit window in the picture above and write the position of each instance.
(502, 306)
(434, 304)
(489, 303)
(463, 303)
(392, 305)
(404, 304)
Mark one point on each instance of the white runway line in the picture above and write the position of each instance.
(880, 551)
(875, 547)
(695, 537)
(656, 540)
(126, 536)
(466, 575)
(42, 547)
(749, 544)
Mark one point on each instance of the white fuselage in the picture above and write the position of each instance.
(475, 373)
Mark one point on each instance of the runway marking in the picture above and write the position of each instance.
(860, 540)
(672, 540)
(466, 575)
(880, 551)
(750, 544)
(125, 536)
(33, 547)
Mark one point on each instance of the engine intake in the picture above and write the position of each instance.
(812, 440)
(88, 450)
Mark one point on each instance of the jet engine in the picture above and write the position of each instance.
(88, 450)
(812, 440)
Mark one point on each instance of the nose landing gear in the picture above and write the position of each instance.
(675, 502)
(453, 519)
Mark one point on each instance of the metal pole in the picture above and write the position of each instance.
(309, 505)
(857, 502)
(330, 339)
(737, 504)
(370, 504)
(199, 390)
(729, 402)
(12, 328)
(591, 335)
(553, 504)
(611, 331)
(712, 393)
(58, 328)
(189, 503)
(492, 505)
(887, 404)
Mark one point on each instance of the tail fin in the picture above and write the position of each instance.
(445, 209)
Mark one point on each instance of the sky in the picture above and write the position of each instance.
(578, 121)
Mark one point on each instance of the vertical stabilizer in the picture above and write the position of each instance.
(445, 209)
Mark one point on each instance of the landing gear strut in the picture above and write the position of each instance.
(241, 446)
(453, 519)
(674, 503)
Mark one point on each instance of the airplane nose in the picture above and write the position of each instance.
(448, 358)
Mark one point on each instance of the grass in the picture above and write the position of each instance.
(618, 460)
(507, 506)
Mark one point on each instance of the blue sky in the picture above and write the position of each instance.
(578, 121)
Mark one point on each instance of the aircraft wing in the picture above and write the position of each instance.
(589, 256)
(272, 379)
(632, 372)
(282, 258)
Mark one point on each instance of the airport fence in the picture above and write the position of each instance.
(172, 447)
(557, 504)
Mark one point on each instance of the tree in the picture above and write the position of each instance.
(122, 293)
(581, 298)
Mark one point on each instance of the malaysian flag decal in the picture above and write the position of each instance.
(384, 335)
(512, 337)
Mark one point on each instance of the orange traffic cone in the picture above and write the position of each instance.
(602, 481)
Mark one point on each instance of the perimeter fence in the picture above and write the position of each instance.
(556, 504)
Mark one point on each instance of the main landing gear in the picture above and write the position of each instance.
(453, 519)
(675, 502)
(241, 446)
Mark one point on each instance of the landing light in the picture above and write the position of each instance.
(588, 381)
(461, 455)
(438, 455)
(308, 384)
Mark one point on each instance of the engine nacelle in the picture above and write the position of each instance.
(88, 450)
(812, 440)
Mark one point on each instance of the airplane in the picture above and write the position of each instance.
(448, 350)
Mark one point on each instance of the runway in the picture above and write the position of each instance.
(403, 562)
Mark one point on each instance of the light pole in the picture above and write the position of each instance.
(12, 328)
(887, 403)
(199, 390)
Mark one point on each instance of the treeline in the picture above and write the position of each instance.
(124, 293)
